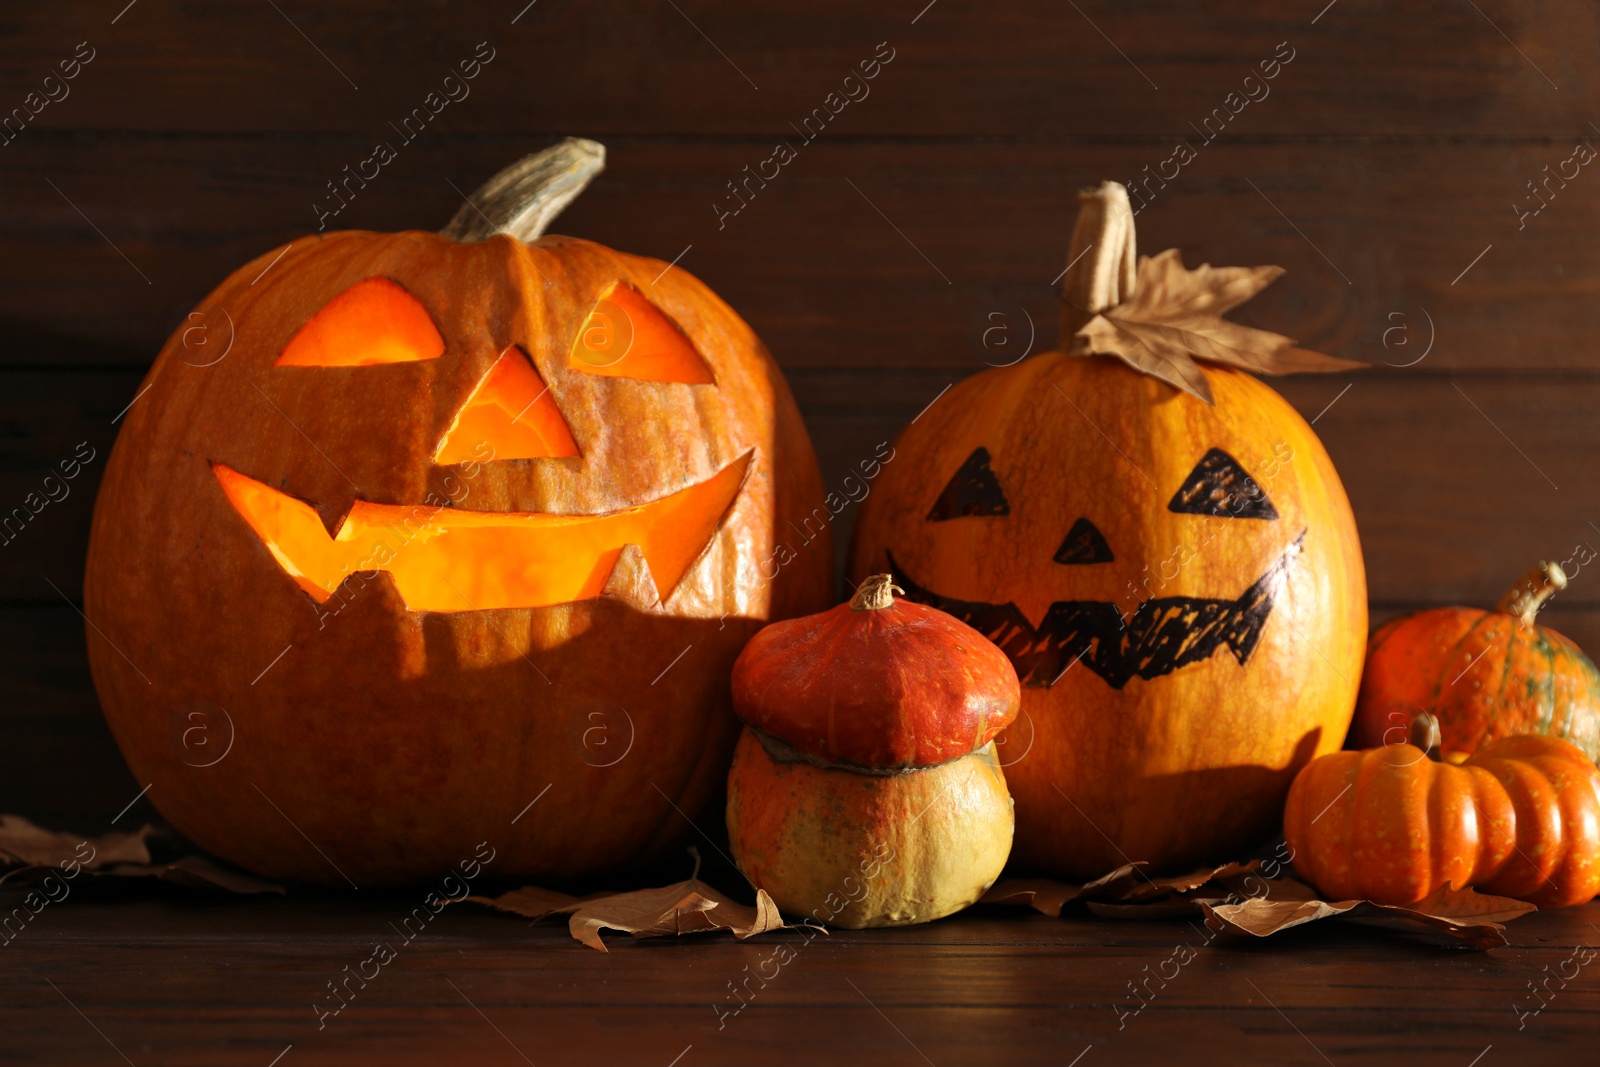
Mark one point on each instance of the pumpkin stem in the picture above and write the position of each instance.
(1102, 262)
(1532, 591)
(1424, 734)
(875, 593)
(523, 199)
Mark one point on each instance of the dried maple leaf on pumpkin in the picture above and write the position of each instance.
(1174, 316)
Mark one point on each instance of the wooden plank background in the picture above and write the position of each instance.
(1381, 169)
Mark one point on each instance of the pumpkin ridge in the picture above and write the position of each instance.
(1547, 713)
(1447, 661)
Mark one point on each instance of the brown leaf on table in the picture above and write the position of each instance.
(1162, 885)
(1474, 918)
(1127, 885)
(36, 853)
(683, 908)
(22, 843)
(1048, 897)
(688, 907)
(1165, 908)
(196, 872)
(1175, 317)
(535, 902)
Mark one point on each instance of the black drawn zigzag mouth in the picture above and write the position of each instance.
(1163, 635)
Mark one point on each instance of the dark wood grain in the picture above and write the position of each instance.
(193, 981)
(861, 254)
(1030, 69)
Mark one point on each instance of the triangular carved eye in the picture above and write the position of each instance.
(1219, 486)
(972, 490)
(1084, 544)
(510, 415)
(626, 336)
(373, 321)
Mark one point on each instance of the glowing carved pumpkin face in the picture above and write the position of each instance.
(454, 524)
(448, 559)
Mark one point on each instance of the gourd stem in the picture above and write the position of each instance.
(522, 200)
(1102, 260)
(875, 593)
(1425, 734)
(1532, 591)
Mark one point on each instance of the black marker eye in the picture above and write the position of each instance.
(1084, 544)
(1219, 486)
(972, 490)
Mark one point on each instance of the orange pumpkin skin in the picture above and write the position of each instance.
(1484, 674)
(859, 850)
(890, 688)
(396, 740)
(1183, 767)
(1520, 818)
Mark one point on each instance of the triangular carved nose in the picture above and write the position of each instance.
(509, 415)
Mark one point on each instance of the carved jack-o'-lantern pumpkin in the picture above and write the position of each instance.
(1174, 572)
(459, 522)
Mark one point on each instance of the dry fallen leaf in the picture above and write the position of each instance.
(35, 853)
(534, 902)
(1462, 913)
(1174, 317)
(1041, 894)
(24, 843)
(1232, 899)
(688, 907)
(196, 872)
(1127, 885)
(685, 908)
(1162, 885)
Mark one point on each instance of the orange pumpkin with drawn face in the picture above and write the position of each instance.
(1175, 577)
(454, 527)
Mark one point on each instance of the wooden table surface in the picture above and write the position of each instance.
(1389, 170)
(182, 979)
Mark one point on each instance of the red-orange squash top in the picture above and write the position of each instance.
(877, 682)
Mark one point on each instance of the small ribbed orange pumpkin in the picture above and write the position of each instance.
(1484, 674)
(1520, 818)
(865, 790)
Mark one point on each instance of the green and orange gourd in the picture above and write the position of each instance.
(865, 790)
(1485, 675)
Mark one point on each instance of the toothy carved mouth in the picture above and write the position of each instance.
(449, 559)
(1163, 635)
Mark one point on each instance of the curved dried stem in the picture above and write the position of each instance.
(523, 199)
(1102, 259)
(1531, 592)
